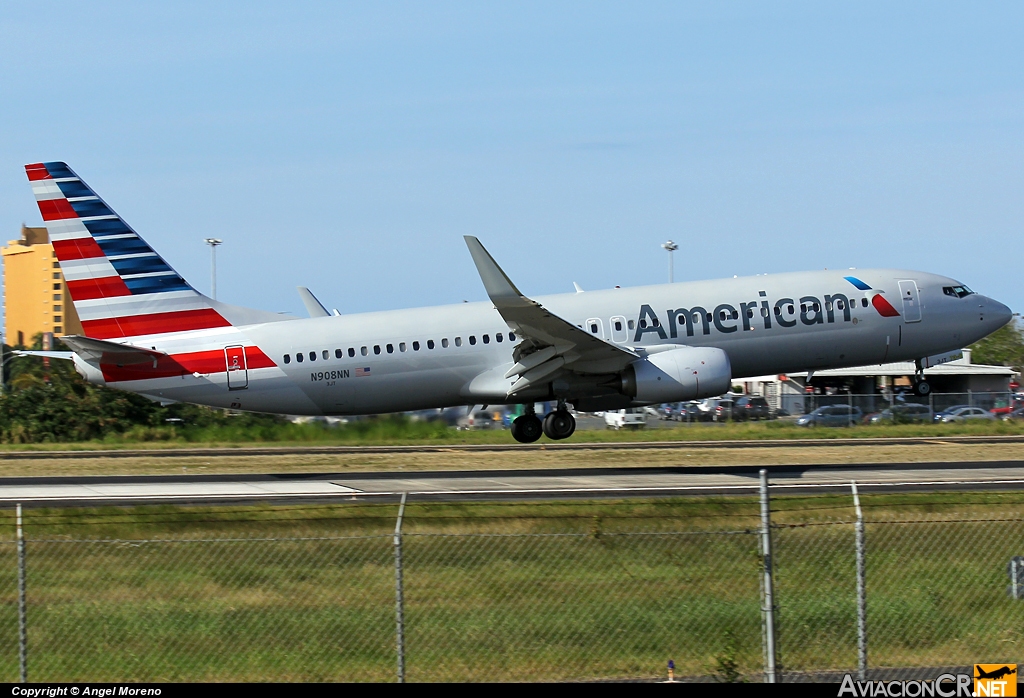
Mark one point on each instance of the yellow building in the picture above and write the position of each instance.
(35, 295)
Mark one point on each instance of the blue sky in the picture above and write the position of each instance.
(350, 146)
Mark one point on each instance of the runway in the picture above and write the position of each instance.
(509, 485)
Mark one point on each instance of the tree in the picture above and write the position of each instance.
(1004, 347)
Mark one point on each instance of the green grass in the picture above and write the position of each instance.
(500, 591)
(397, 432)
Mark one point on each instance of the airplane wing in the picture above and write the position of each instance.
(100, 351)
(549, 342)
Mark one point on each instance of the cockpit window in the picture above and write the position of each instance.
(957, 291)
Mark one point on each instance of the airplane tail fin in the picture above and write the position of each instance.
(119, 285)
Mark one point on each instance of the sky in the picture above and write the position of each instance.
(348, 147)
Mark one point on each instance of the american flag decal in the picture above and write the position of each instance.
(362, 372)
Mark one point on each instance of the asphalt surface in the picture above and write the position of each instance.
(509, 485)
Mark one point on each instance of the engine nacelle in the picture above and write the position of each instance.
(682, 373)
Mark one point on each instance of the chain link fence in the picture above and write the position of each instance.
(527, 592)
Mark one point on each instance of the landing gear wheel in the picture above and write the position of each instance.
(922, 388)
(526, 428)
(559, 425)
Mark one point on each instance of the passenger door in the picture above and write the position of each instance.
(911, 301)
(238, 372)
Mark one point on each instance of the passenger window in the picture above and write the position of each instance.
(312, 356)
(298, 357)
(790, 310)
(631, 325)
(817, 307)
(391, 348)
(351, 352)
(864, 302)
(287, 358)
(415, 346)
(656, 322)
(511, 336)
(750, 312)
(401, 346)
(487, 339)
(430, 344)
(376, 348)
(593, 327)
(710, 318)
(444, 342)
(803, 307)
(338, 353)
(362, 350)
(618, 325)
(326, 355)
(458, 341)
(643, 324)
(472, 339)
(764, 312)
(499, 337)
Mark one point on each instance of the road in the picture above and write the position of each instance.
(508, 485)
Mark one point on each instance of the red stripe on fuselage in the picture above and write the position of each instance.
(883, 306)
(176, 365)
(155, 323)
(56, 209)
(77, 248)
(36, 171)
(102, 287)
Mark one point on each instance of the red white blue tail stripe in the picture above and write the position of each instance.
(120, 286)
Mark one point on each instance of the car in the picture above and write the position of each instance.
(906, 413)
(1015, 416)
(749, 408)
(967, 414)
(690, 412)
(938, 416)
(633, 418)
(831, 416)
(480, 419)
(723, 411)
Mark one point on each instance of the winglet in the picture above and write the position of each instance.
(500, 288)
(314, 307)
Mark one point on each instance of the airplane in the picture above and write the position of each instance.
(146, 330)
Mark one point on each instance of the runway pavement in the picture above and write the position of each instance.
(508, 485)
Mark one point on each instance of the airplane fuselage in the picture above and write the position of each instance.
(450, 355)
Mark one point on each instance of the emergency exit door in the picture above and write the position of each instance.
(911, 301)
(238, 373)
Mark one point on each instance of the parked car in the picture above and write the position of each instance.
(966, 414)
(690, 412)
(906, 413)
(751, 408)
(831, 416)
(480, 419)
(633, 418)
(1015, 416)
(723, 411)
(937, 417)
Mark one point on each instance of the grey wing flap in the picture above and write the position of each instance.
(98, 350)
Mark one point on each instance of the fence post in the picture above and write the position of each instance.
(399, 595)
(862, 599)
(22, 614)
(767, 588)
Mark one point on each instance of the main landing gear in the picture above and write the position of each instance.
(557, 425)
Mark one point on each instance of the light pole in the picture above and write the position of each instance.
(670, 247)
(213, 242)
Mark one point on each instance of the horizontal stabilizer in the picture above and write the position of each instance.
(101, 351)
(66, 355)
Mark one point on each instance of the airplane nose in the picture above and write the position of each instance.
(995, 313)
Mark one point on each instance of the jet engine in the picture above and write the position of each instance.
(679, 373)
